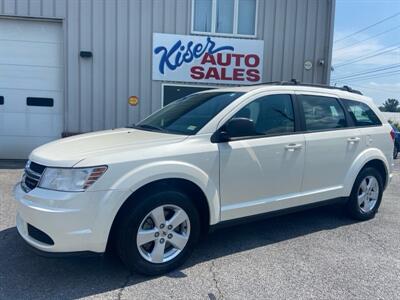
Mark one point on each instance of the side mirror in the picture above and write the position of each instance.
(221, 136)
(237, 127)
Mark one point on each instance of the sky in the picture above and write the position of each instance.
(378, 76)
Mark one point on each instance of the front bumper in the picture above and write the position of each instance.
(75, 221)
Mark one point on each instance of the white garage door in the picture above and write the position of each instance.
(31, 85)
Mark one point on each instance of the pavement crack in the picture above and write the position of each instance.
(124, 285)
(216, 283)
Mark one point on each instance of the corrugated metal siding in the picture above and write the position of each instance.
(119, 33)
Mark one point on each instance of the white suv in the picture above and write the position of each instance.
(152, 189)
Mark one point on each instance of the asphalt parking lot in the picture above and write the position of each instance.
(317, 254)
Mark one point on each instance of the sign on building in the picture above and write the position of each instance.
(189, 58)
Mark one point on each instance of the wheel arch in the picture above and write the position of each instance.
(179, 184)
(369, 158)
(380, 166)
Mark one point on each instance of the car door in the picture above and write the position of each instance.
(332, 145)
(263, 172)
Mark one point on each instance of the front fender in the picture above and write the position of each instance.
(144, 174)
(362, 159)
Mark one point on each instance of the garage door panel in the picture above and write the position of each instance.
(33, 31)
(28, 77)
(22, 124)
(15, 101)
(31, 54)
(31, 66)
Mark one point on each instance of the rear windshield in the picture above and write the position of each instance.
(189, 114)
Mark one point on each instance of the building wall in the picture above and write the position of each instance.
(393, 116)
(119, 33)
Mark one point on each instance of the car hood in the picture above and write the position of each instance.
(69, 151)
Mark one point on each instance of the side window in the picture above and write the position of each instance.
(271, 114)
(202, 15)
(322, 113)
(228, 17)
(361, 113)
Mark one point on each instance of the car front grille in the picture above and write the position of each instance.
(31, 177)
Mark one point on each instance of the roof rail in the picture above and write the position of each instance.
(326, 86)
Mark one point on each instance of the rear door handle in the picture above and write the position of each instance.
(353, 140)
(292, 147)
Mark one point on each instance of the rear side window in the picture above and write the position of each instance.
(322, 113)
(361, 113)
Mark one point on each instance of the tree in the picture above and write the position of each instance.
(390, 105)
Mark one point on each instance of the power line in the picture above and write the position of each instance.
(371, 76)
(367, 39)
(375, 88)
(379, 52)
(368, 27)
(375, 70)
(369, 71)
(376, 76)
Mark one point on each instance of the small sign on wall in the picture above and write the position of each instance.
(189, 58)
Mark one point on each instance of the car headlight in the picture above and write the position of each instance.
(70, 179)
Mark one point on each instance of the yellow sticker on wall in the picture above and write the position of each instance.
(133, 100)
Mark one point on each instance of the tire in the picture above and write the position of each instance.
(364, 208)
(395, 151)
(144, 214)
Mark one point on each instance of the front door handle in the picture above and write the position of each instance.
(353, 140)
(292, 147)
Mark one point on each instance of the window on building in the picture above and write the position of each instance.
(226, 17)
(272, 115)
(322, 113)
(361, 113)
(202, 15)
(246, 15)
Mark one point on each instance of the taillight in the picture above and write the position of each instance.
(393, 134)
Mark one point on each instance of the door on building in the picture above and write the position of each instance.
(175, 92)
(31, 85)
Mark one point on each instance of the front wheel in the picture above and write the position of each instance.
(158, 233)
(366, 195)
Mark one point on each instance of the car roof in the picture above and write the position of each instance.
(337, 92)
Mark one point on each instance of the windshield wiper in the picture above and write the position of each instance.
(150, 127)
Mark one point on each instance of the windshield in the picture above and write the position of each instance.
(189, 114)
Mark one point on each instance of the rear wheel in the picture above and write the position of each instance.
(158, 234)
(366, 195)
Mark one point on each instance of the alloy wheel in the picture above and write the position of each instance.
(368, 194)
(163, 234)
